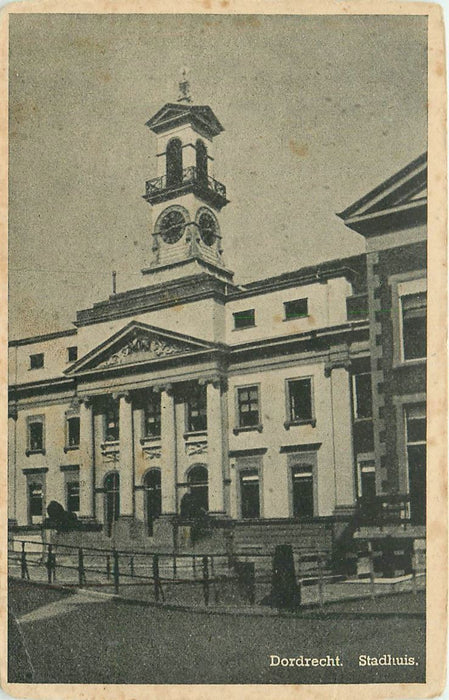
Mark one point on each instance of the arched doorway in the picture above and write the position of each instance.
(197, 480)
(173, 159)
(111, 500)
(201, 162)
(153, 497)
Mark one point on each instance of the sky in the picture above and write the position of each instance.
(317, 111)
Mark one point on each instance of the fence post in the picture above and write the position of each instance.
(320, 581)
(131, 566)
(206, 580)
(194, 566)
(174, 565)
(23, 563)
(371, 570)
(414, 587)
(116, 572)
(214, 583)
(51, 564)
(81, 572)
(156, 578)
(108, 566)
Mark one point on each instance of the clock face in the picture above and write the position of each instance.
(171, 226)
(208, 228)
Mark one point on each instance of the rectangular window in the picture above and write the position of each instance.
(248, 406)
(72, 353)
(302, 478)
(296, 309)
(35, 502)
(367, 476)
(363, 407)
(197, 409)
(152, 415)
(300, 400)
(112, 424)
(249, 494)
(37, 361)
(414, 315)
(36, 434)
(244, 319)
(73, 431)
(73, 496)
(416, 459)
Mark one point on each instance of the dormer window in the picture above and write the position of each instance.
(244, 319)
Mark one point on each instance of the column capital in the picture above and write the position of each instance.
(336, 364)
(217, 381)
(117, 395)
(168, 388)
(85, 401)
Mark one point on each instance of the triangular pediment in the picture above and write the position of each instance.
(407, 186)
(174, 114)
(138, 343)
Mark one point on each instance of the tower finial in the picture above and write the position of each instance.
(184, 88)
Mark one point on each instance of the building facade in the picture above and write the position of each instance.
(393, 220)
(194, 395)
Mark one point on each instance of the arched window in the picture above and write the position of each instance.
(173, 159)
(111, 500)
(201, 162)
(198, 489)
(153, 497)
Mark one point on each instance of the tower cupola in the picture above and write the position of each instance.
(185, 197)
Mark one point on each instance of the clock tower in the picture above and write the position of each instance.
(185, 197)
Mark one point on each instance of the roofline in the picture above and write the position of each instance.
(389, 182)
(339, 267)
(42, 338)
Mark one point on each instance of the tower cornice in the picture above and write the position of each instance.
(172, 115)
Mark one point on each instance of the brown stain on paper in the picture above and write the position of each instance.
(299, 149)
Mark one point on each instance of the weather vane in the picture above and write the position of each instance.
(184, 88)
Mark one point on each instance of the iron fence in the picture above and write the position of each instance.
(244, 578)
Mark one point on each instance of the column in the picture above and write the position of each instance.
(87, 468)
(168, 451)
(126, 455)
(12, 465)
(139, 462)
(338, 371)
(215, 446)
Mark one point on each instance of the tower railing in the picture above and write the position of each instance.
(190, 175)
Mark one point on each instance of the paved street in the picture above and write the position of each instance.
(84, 637)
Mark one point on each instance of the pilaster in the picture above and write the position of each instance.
(337, 369)
(87, 461)
(168, 451)
(126, 455)
(216, 445)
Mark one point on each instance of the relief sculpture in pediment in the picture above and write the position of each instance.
(150, 347)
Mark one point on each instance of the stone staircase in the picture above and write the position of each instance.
(263, 536)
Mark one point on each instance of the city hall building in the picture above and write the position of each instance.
(281, 406)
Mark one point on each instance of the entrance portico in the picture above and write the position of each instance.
(156, 413)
